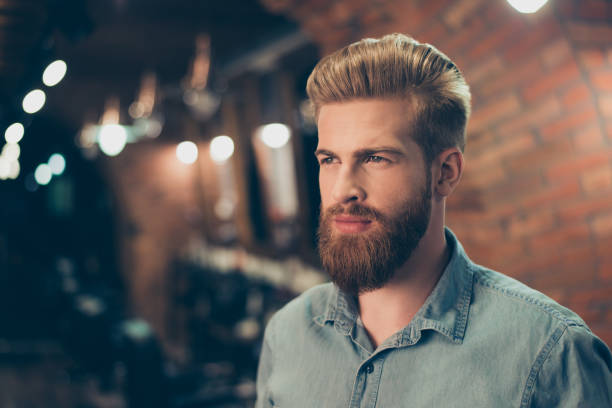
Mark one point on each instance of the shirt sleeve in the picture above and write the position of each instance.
(573, 370)
(264, 370)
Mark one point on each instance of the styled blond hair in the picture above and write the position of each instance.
(398, 66)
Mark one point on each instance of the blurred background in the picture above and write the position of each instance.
(158, 189)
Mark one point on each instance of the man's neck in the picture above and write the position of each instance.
(389, 309)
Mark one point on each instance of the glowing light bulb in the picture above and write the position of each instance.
(43, 174)
(187, 152)
(14, 133)
(34, 101)
(54, 73)
(221, 148)
(112, 139)
(527, 6)
(275, 135)
(57, 163)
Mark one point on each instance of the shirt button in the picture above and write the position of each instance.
(369, 368)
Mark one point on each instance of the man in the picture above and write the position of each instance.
(409, 320)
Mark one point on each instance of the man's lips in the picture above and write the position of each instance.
(350, 224)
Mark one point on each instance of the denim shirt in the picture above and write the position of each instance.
(481, 339)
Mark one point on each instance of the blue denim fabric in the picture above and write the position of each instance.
(481, 339)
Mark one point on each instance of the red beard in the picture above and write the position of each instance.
(366, 261)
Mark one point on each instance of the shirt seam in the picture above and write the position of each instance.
(550, 311)
(536, 367)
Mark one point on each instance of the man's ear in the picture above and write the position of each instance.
(447, 169)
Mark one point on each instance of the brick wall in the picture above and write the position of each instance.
(536, 198)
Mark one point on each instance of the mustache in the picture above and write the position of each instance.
(356, 210)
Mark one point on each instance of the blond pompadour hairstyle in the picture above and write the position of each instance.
(398, 66)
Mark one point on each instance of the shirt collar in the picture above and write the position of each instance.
(445, 310)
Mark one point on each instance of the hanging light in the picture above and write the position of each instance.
(187, 152)
(34, 101)
(54, 73)
(221, 148)
(527, 6)
(14, 133)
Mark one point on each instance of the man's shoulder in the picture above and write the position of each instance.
(307, 308)
(509, 295)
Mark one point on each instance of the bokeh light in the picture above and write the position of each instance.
(54, 73)
(11, 151)
(274, 135)
(14, 133)
(221, 148)
(57, 163)
(187, 152)
(34, 101)
(112, 139)
(43, 174)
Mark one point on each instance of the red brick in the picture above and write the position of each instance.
(602, 80)
(589, 138)
(577, 165)
(576, 95)
(456, 15)
(605, 105)
(563, 275)
(541, 35)
(602, 225)
(496, 38)
(465, 36)
(594, 9)
(524, 225)
(556, 53)
(565, 191)
(501, 199)
(560, 238)
(591, 33)
(494, 112)
(605, 272)
(592, 295)
(479, 179)
(483, 70)
(433, 32)
(603, 245)
(569, 122)
(562, 75)
(597, 179)
(542, 156)
(592, 58)
(534, 116)
(493, 154)
(584, 207)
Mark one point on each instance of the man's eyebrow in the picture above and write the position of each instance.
(381, 149)
(324, 152)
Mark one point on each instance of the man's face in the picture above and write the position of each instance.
(375, 191)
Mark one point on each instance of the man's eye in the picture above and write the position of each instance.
(326, 160)
(375, 159)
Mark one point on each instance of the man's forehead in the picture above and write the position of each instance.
(366, 123)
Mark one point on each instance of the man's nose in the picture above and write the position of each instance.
(348, 188)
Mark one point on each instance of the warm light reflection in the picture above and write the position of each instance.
(221, 148)
(14, 133)
(112, 139)
(43, 174)
(274, 135)
(54, 73)
(187, 152)
(34, 101)
(527, 6)
(57, 163)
